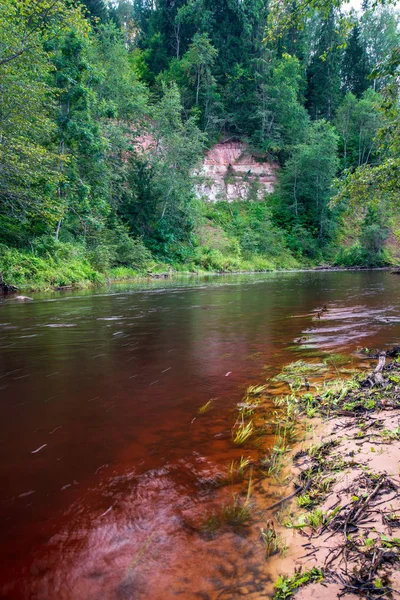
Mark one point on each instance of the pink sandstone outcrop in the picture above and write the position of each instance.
(230, 172)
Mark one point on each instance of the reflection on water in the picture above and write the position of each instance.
(106, 466)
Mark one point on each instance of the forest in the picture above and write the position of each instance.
(108, 108)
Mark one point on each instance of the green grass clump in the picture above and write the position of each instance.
(237, 468)
(286, 586)
(242, 432)
(297, 372)
(236, 512)
(337, 360)
(255, 390)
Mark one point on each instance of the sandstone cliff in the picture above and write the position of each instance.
(230, 172)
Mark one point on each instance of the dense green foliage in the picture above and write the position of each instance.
(107, 110)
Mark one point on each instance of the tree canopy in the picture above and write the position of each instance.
(107, 110)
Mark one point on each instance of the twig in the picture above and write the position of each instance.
(290, 496)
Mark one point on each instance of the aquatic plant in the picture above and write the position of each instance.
(272, 541)
(210, 524)
(255, 390)
(247, 409)
(206, 407)
(274, 463)
(238, 511)
(242, 432)
(337, 360)
(284, 423)
(294, 373)
(237, 468)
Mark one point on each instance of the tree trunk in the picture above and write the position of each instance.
(58, 229)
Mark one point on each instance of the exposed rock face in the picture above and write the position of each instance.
(230, 172)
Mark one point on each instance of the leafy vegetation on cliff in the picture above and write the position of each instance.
(107, 110)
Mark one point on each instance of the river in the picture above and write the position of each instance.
(105, 462)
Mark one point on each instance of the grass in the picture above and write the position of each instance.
(391, 434)
(210, 524)
(242, 432)
(234, 513)
(255, 390)
(45, 266)
(305, 501)
(337, 360)
(206, 407)
(237, 468)
(273, 463)
(285, 587)
(293, 372)
(238, 511)
(68, 265)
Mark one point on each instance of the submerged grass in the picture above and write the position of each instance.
(237, 468)
(242, 432)
(206, 407)
(234, 513)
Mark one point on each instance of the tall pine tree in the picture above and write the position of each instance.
(355, 65)
(323, 74)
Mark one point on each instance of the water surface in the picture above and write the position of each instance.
(105, 463)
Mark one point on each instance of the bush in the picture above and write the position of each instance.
(132, 252)
(302, 243)
(357, 256)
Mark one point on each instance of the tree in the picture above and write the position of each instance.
(281, 120)
(26, 26)
(29, 162)
(120, 95)
(358, 122)
(372, 185)
(355, 65)
(306, 180)
(161, 178)
(323, 74)
(83, 189)
(379, 35)
(97, 9)
(199, 61)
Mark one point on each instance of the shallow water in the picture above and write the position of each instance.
(106, 465)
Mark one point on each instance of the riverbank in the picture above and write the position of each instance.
(67, 266)
(316, 488)
(340, 528)
(24, 271)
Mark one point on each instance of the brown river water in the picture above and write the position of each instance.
(105, 463)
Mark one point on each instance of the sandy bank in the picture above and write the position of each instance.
(345, 521)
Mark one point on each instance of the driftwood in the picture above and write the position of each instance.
(378, 370)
